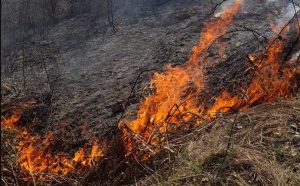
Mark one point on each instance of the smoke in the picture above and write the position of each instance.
(224, 7)
(282, 11)
(286, 12)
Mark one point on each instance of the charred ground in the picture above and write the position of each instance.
(82, 69)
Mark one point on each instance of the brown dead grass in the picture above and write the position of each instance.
(265, 150)
(9, 168)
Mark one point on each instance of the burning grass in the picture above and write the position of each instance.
(40, 155)
(181, 97)
(264, 150)
(178, 106)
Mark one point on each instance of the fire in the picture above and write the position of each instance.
(36, 154)
(251, 58)
(270, 82)
(178, 89)
(39, 158)
(180, 97)
(213, 30)
(10, 122)
(177, 99)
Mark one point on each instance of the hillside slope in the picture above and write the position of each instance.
(91, 67)
(69, 107)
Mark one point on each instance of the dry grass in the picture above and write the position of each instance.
(12, 174)
(265, 150)
(9, 168)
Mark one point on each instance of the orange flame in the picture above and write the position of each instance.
(213, 30)
(176, 100)
(36, 153)
(178, 87)
(11, 121)
(39, 158)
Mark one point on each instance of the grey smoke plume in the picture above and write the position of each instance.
(224, 6)
(286, 13)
